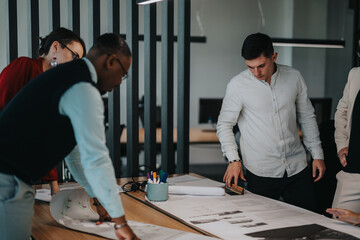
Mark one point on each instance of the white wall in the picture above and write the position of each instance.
(226, 24)
(310, 23)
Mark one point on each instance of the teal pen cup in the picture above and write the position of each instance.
(157, 192)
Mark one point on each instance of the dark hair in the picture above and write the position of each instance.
(111, 43)
(257, 44)
(59, 34)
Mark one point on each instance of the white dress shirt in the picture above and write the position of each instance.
(82, 103)
(268, 118)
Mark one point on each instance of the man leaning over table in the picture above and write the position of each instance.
(267, 102)
(48, 117)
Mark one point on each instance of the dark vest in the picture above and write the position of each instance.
(353, 159)
(34, 137)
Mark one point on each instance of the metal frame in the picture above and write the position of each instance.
(76, 16)
(183, 86)
(132, 90)
(193, 39)
(116, 16)
(34, 28)
(150, 85)
(167, 86)
(55, 13)
(13, 36)
(114, 130)
(96, 19)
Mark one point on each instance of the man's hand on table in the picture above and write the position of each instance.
(103, 214)
(122, 230)
(234, 170)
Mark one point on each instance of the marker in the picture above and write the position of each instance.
(161, 174)
(163, 179)
(154, 176)
(148, 175)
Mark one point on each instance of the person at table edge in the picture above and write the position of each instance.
(268, 101)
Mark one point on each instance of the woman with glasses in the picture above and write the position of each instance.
(60, 46)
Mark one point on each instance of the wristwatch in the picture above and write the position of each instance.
(236, 160)
(118, 226)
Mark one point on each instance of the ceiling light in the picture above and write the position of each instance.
(144, 2)
(313, 43)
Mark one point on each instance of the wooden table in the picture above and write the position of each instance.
(136, 208)
(196, 136)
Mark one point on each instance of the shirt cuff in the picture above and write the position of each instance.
(318, 154)
(340, 146)
(115, 211)
(232, 155)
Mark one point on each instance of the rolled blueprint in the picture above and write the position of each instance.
(199, 191)
(71, 208)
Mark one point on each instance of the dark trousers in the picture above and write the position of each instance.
(296, 190)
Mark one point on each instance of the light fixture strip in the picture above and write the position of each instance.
(311, 45)
(147, 2)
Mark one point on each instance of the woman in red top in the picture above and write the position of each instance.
(60, 46)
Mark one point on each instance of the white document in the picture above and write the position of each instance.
(251, 216)
(43, 194)
(72, 209)
(195, 190)
(188, 180)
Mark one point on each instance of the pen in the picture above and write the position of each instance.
(163, 179)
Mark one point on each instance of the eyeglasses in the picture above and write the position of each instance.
(74, 54)
(125, 76)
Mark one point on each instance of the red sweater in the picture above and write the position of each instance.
(16, 75)
(13, 78)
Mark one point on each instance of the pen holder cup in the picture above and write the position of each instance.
(157, 192)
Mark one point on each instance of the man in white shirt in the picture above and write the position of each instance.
(268, 102)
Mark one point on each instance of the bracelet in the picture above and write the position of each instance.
(118, 226)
